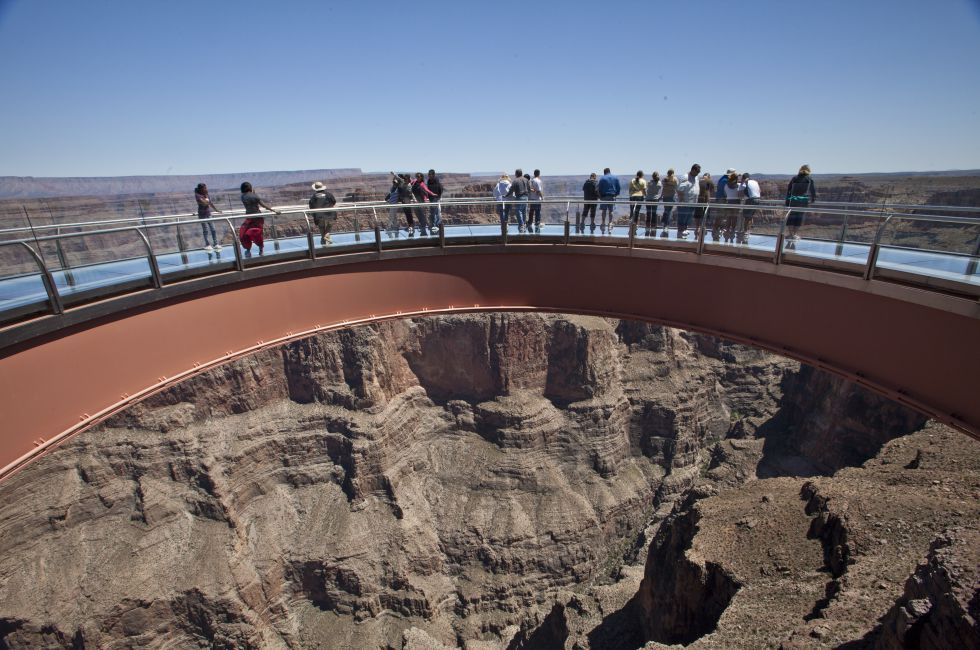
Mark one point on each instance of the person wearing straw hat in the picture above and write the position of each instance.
(320, 200)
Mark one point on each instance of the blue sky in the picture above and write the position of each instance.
(106, 87)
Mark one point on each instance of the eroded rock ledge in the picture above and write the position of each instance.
(477, 481)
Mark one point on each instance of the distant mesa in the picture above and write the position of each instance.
(24, 187)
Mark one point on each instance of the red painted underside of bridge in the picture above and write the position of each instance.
(907, 344)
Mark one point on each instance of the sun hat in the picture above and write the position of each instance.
(318, 186)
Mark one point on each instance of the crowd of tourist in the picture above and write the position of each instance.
(684, 198)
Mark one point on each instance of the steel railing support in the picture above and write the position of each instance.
(239, 262)
(377, 237)
(869, 269)
(777, 257)
(151, 258)
(54, 299)
(310, 244)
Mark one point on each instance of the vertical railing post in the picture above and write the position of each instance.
(971, 267)
(239, 263)
(181, 244)
(839, 250)
(310, 243)
(777, 258)
(568, 232)
(357, 228)
(151, 258)
(869, 270)
(701, 231)
(632, 232)
(62, 259)
(377, 237)
(54, 299)
(275, 232)
(442, 235)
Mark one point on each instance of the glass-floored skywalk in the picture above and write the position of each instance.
(937, 251)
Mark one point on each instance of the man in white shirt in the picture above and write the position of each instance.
(537, 193)
(687, 193)
(750, 189)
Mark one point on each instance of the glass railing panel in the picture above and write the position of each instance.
(20, 277)
(948, 249)
(829, 235)
(97, 260)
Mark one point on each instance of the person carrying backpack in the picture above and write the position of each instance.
(324, 220)
(799, 194)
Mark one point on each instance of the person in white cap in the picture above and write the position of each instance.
(732, 197)
(324, 220)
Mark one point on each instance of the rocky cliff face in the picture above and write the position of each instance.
(477, 481)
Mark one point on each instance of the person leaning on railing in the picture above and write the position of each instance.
(706, 188)
(204, 208)
(638, 191)
(669, 197)
(500, 196)
(402, 185)
(251, 229)
(753, 196)
(590, 193)
(733, 196)
(324, 220)
(655, 190)
(800, 193)
(608, 191)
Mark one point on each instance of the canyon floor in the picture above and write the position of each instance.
(499, 481)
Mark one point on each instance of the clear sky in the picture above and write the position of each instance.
(129, 87)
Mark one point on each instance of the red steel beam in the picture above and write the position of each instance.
(908, 344)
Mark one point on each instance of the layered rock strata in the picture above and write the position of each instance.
(473, 481)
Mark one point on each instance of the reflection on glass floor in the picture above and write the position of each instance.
(29, 289)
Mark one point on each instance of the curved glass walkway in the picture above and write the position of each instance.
(49, 268)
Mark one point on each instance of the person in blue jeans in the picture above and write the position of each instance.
(668, 197)
(204, 209)
(519, 191)
(687, 196)
(435, 210)
(608, 191)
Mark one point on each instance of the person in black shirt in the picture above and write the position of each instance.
(435, 210)
(590, 192)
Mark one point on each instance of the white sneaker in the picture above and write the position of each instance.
(217, 247)
(208, 248)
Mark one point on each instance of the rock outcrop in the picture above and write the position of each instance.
(466, 481)
(941, 604)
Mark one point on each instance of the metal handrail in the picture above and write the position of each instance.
(340, 209)
(184, 217)
(883, 220)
